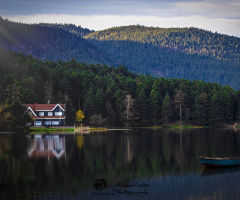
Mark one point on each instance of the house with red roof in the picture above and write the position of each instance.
(48, 146)
(47, 114)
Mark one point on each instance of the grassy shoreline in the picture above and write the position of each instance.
(93, 129)
(52, 129)
(61, 129)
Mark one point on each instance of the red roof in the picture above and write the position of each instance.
(39, 107)
(45, 153)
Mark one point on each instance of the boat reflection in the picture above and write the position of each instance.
(219, 171)
(47, 146)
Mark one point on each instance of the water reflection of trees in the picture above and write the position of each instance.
(116, 156)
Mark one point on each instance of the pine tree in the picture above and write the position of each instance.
(143, 109)
(179, 103)
(70, 114)
(155, 108)
(227, 107)
(119, 96)
(166, 109)
(215, 110)
(238, 112)
(200, 109)
(100, 107)
(88, 107)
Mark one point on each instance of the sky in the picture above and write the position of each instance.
(222, 16)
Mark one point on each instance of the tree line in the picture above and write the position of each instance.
(110, 96)
(190, 40)
(50, 42)
(187, 53)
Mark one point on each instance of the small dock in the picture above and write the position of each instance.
(81, 128)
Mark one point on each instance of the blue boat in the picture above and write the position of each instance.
(219, 162)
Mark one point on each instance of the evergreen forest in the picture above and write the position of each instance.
(50, 42)
(188, 53)
(110, 96)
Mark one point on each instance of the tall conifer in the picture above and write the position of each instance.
(143, 109)
(166, 110)
(155, 108)
(215, 110)
(88, 107)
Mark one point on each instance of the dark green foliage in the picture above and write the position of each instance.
(143, 109)
(200, 109)
(227, 103)
(238, 112)
(100, 90)
(50, 42)
(89, 105)
(167, 109)
(215, 110)
(188, 53)
(77, 30)
(18, 117)
(155, 106)
(70, 114)
(190, 40)
(99, 105)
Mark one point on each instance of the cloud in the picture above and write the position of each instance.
(100, 22)
(163, 8)
(210, 9)
(216, 15)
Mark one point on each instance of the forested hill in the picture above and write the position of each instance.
(189, 40)
(188, 53)
(77, 30)
(50, 42)
(112, 96)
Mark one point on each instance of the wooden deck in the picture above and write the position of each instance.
(81, 128)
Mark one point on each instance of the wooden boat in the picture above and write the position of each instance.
(219, 162)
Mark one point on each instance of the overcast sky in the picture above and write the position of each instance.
(222, 16)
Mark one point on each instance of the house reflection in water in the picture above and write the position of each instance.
(47, 146)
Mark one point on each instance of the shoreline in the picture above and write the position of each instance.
(102, 129)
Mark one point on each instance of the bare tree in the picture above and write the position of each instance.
(97, 120)
(128, 105)
(48, 91)
(13, 92)
(179, 102)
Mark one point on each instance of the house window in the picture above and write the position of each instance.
(41, 113)
(50, 113)
(38, 123)
(48, 123)
(58, 113)
(55, 123)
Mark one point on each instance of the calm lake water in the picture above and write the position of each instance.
(137, 164)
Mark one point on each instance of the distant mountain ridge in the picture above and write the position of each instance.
(188, 53)
(50, 43)
(189, 40)
(72, 28)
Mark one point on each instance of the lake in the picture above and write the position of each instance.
(133, 164)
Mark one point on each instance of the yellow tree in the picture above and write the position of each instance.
(79, 116)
